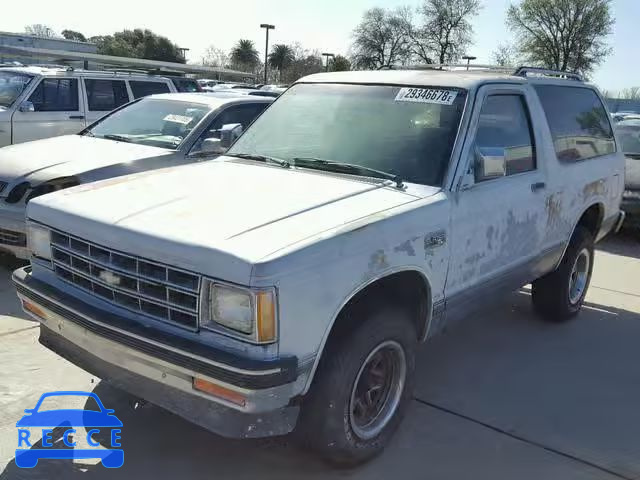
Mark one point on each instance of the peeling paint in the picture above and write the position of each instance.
(553, 207)
(490, 232)
(407, 247)
(377, 261)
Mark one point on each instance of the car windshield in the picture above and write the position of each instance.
(152, 121)
(68, 402)
(629, 134)
(408, 132)
(12, 84)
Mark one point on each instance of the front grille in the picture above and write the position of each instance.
(139, 285)
(3, 185)
(15, 239)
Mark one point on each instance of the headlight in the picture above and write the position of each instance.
(39, 241)
(250, 313)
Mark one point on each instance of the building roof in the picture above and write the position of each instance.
(55, 39)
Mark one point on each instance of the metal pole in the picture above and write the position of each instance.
(268, 27)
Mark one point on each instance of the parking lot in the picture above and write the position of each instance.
(500, 395)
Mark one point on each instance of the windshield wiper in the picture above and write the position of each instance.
(349, 168)
(260, 158)
(119, 138)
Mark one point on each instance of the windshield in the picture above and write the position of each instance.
(401, 131)
(155, 122)
(12, 84)
(629, 134)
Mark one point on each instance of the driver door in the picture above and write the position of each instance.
(499, 218)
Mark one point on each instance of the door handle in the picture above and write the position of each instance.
(76, 117)
(537, 186)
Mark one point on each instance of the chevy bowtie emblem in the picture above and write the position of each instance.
(109, 278)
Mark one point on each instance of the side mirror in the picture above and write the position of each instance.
(490, 162)
(229, 133)
(27, 106)
(212, 146)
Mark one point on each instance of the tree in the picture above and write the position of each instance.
(504, 55)
(340, 64)
(40, 30)
(304, 63)
(215, 57)
(562, 34)
(244, 55)
(631, 93)
(381, 40)
(73, 35)
(281, 57)
(447, 29)
(139, 43)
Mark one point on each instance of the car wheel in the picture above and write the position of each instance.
(559, 295)
(362, 389)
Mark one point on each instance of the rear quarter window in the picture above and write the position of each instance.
(142, 89)
(578, 121)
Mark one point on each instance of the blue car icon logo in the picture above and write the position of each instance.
(92, 421)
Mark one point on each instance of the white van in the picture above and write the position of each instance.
(42, 102)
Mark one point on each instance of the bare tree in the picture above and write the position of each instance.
(562, 34)
(40, 30)
(447, 31)
(631, 93)
(380, 40)
(215, 57)
(504, 55)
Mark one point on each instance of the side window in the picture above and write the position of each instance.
(578, 121)
(504, 134)
(141, 88)
(243, 114)
(105, 95)
(56, 95)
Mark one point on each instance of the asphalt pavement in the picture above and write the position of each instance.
(500, 395)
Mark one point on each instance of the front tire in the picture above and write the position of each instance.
(559, 295)
(362, 389)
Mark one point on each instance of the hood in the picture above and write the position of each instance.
(632, 173)
(218, 217)
(67, 155)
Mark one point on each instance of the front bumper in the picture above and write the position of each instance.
(163, 372)
(13, 227)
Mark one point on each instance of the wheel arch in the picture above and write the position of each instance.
(423, 320)
(592, 218)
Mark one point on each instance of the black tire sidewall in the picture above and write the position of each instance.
(325, 419)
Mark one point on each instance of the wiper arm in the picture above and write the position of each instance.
(260, 158)
(119, 138)
(341, 167)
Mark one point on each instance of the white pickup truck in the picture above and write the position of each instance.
(287, 285)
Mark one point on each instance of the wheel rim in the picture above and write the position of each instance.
(377, 389)
(579, 276)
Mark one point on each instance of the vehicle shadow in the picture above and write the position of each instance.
(625, 243)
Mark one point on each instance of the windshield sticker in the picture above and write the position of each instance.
(426, 95)
(172, 117)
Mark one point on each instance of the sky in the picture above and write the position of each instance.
(325, 25)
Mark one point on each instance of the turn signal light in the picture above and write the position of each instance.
(36, 310)
(219, 391)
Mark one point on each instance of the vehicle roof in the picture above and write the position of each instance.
(466, 79)
(55, 70)
(210, 99)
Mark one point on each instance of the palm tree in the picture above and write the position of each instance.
(281, 57)
(245, 55)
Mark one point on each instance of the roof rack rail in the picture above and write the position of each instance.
(546, 72)
(450, 66)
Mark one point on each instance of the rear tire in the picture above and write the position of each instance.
(559, 295)
(361, 390)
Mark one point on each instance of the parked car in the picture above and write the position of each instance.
(42, 102)
(186, 84)
(154, 132)
(288, 284)
(629, 134)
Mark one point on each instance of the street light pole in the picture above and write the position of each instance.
(328, 55)
(468, 58)
(267, 27)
